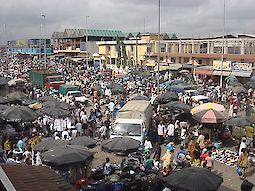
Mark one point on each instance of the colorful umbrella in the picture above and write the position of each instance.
(209, 116)
(206, 106)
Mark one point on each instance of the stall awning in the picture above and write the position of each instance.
(174, 66)
(169, 67)
(218, 73)
(150, 64)
(245, 74)
(203, 72)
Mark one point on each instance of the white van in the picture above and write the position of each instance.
(133, 120)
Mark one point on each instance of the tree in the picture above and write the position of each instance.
(118, 47)
(124, 55)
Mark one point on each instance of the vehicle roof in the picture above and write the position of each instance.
(199, 97)
(135, 105)
(134, 121)
(68, 86)
(54, 76)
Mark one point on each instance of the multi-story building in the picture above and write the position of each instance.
(137, 47)
(29, 46)
(73, 41)
(238, 57)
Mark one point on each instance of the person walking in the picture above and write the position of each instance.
(209, 161)
(243, 162)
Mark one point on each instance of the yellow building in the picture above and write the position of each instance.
(137, 48)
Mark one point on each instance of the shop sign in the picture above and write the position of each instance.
(217, 64)
(237, 66)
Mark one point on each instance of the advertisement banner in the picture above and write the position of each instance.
(237, 66)
(226, 65)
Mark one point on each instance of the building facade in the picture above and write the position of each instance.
(29, 46)
(75, 41)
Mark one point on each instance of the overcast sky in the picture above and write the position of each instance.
(183, 17)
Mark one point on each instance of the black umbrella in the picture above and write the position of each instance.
(177, 105)
(238, 89)
(3, 100)
(48, 144)
(57, 104)
(120, 145)
(47, 98)
(193, 179)
(67, 155)
(240, 121)
(3, 107)
(84, 141)
(3, 81)
(16, 96)
(53, 112)
(19, 114)
(165, 98)
(138, 97)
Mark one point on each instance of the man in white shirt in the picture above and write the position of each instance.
(111, 106)
(161, 132)
(170, 132)
(242, 145)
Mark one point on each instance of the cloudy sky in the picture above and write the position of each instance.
(183, 17)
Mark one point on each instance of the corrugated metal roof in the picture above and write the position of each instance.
(76, 33)
(56, 35)
(26, 177)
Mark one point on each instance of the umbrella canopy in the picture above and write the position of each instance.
(3, 107)
(206, 106)
(138, 97)
(231, 78)
(193, 179)
(3, 81)
(240, 121)
(177, 105)
(238, 89)
(57, 104)
(209, 116)
(53, 112)
(120, 145)
(165, 98)
(84, 141)
(67, 155)
(184, 72)
(3, 100)
(48, 144)
(14, 82)
(19, 114)
(16, 96)
(47, 98)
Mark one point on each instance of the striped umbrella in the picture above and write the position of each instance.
(206, 106)
(209, 116)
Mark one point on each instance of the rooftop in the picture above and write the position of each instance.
(25, 177)
(78, 33)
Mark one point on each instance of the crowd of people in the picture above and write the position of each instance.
(161, 152)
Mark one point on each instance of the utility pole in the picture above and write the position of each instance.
(44, 19)
(40, 43)
(86, 33)
(158, 46)
(223, 44)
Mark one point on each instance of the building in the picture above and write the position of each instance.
(137, 47)
(18, 177)
(72, 42)
(29, 46)
(142, 50)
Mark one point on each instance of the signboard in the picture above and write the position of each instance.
(237, 66)
(226, 65)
